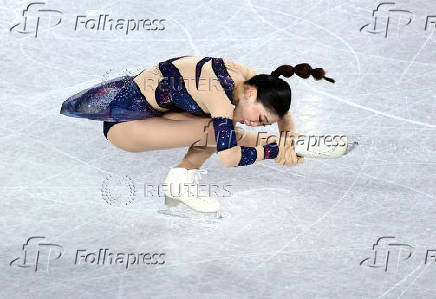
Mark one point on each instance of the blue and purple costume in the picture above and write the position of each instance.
(120, 99)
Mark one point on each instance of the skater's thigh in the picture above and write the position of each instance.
(182, 116)
(159, 133)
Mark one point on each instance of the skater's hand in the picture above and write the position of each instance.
(287, 155)
(286, 124)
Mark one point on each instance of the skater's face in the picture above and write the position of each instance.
(251, 112)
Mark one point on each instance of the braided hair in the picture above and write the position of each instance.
(304, 70)
(275, 93)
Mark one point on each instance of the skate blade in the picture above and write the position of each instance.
(178, 209)
(322, 151)
(327, 154)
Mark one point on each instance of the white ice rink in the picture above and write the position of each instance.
(362, 226)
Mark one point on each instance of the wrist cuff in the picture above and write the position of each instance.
(270, 151)
(248, 155)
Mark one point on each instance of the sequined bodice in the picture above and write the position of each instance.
(171, 92)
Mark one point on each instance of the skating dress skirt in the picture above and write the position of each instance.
(117, 100)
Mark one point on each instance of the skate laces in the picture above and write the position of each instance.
(197, 174)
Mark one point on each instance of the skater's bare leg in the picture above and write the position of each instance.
(158, 133)
(175, 129)
(196, 155)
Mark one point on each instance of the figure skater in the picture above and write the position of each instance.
(195, 102)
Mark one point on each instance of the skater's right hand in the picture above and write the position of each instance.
(287, 155)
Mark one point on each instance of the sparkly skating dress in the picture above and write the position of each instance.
(122, 99)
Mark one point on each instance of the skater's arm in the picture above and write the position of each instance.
(231, 154)
(286, 124)
(221, 109)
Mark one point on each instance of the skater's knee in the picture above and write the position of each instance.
(129, 146)
(228, 157)
(205, 135)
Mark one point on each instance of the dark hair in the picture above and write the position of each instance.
(275, 93)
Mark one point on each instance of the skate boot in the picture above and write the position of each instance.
(322, 146)
(182, 197)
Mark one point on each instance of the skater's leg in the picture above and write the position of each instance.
(159, 133)
(196, 155)
(171, 131)
(182, 116)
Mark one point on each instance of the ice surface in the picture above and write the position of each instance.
(300, 232)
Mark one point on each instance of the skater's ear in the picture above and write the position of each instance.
(274, 93)
(250, 93)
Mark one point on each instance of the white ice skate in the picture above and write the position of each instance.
(181, 187)
(325, 146)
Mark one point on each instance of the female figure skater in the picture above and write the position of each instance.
(195, 102)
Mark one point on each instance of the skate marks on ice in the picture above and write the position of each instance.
(239, 207)
(185, 215)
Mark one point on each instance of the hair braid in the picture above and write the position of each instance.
(304, 70)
